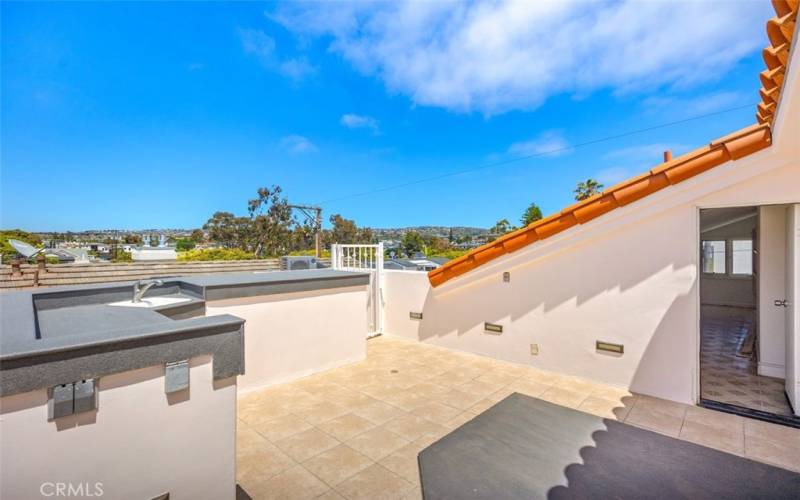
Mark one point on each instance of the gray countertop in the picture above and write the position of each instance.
(40, 327)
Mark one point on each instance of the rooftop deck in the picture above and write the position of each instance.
(355, 432)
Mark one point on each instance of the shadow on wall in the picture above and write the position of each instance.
(634, 286)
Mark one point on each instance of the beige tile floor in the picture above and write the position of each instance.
(355, 432)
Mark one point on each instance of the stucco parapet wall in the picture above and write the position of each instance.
(729, 148)
(65, 334)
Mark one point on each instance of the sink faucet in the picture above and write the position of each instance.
(142, 286)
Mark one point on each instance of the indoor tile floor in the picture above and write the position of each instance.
(726, 376)
(355, 432)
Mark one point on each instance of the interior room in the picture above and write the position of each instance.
(742, 289)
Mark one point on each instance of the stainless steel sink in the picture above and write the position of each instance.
(151, 302)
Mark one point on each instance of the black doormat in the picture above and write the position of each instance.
(528, 448)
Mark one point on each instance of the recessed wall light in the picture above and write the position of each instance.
(610, 347)
(493, 328)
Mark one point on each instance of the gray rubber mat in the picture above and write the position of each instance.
(528, 448)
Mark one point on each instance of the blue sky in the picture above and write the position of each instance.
(140, 115)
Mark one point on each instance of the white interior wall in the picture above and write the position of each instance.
(727, 289)
(772, 286)
(629, 277)
(293, 335)
(138, 444)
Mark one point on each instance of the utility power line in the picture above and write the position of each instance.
(535, 155)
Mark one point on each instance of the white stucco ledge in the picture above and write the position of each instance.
(60, 335)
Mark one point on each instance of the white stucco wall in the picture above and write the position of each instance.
(138, 444)
(629, 277)
(292, 335)
(404, 292)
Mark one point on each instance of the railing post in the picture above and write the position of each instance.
(16, 267)
(41, 263)
(379, 284)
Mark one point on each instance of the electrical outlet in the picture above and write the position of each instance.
(534, 349)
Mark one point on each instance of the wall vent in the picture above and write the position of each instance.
(493, 328)
(610, 347)
(415, 315)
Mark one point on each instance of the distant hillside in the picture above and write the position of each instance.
(440, 231)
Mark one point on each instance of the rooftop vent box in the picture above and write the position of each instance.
(297, 262)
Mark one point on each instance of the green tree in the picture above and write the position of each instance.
(587, 189)
(272, 222)
(197, 236)
(343, 231)
(434, 245)
(532, 214)
(303, 237)
(412, 243)
(183, 244)
(132, 239)
(501, 227)
(365, 235)
(228, 230)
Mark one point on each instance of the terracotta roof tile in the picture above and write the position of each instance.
(780, 31)
(739, 144)
(728, 148)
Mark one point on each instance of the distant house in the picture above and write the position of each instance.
(415, 264)
(96, 247)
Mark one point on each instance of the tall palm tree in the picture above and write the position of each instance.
(587, 189)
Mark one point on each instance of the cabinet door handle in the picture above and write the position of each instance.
(781, 303)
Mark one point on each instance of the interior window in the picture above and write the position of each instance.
(742, 260)
(714, 257)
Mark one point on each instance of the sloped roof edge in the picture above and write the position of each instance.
(780, 31)
(731, 147)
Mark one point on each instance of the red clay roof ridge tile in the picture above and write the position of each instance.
(780, 31)
(731, 147)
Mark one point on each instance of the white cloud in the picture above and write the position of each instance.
(550, 143)
(298, 144)
(262, 47)
(350, 120)
(258, 44)
(297, 69)
(496, 56)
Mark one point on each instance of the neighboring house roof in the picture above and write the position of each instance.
(731, 147)
(423, 264)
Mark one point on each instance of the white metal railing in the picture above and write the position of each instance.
(365, 258)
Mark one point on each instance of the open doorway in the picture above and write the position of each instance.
(743, 330)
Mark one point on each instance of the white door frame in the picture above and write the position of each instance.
(792, 380)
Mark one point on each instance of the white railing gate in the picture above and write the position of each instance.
(365, 258)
